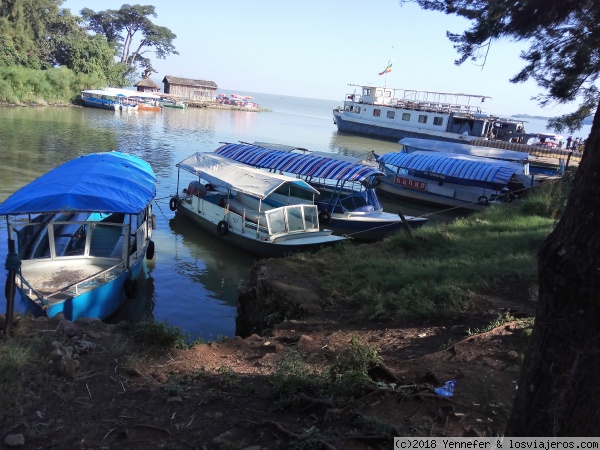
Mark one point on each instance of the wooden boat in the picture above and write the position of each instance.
(250, 208)
(451, 180)
(347, 202)
(82, 232)
(388, 113)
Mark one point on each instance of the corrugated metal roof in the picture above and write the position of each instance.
(296, 163)
(189, 82)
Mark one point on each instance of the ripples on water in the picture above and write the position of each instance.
(193, 280)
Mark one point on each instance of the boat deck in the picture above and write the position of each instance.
(59, 279)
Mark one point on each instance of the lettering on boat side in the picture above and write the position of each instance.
(411, 184)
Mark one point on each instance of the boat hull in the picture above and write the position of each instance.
(368, 228)
(142, 107)
(207, 216)
(393, 190)
(100, 105)
(393, 134)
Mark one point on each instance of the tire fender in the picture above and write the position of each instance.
(150, 250)
(173, 203)
(222, 228)
(483, 200)
(324, 218)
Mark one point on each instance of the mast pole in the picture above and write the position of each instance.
(388, 73)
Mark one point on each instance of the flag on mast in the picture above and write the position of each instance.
(388, 69)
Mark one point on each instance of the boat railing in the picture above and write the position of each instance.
(44, 298)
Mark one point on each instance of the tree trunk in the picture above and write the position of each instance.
(559, 390)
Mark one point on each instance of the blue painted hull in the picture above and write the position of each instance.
(101, 105)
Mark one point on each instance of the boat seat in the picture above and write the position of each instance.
(251, 214)
(196, 188)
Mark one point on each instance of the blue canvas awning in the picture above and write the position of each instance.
(461, 169)
(111, 182)
(297, 163)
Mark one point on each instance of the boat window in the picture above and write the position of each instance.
(357, 109)
(391, 114)
(366, 91)
(295, 218)
(376, 112)
(406, 116)
(311, 217)
(276, 221)
(354, 202)
(422, 118)
(107, 240)
(438, 120)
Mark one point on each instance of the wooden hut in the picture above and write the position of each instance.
(192, 90)
(147, 85)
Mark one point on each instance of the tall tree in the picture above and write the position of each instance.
(123, 26)
(559, 392)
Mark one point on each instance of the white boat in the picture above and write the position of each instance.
(451, 180)
(250, 208)
(388, 113)
(347, 202)
(79, 234)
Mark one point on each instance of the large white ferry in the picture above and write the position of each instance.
(388, 113)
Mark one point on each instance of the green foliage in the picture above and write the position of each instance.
(16, 356)
(436, 273)
(20, 85)
(345, 379)
(160, 334)
(120, 27)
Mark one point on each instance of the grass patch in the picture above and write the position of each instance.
(161, 334)
(17, 356)
(345, 379)
(436, 274)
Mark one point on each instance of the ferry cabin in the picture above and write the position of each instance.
(399, 113)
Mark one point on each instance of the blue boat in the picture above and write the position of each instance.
(347, 201)
(451, 180)
(80, 234)
(111, 99)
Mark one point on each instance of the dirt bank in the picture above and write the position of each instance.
(94, 386)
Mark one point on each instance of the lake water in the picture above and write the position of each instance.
(193, 280)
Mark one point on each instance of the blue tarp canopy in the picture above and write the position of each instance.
(111, 182)
(461, 169)
(297, 163)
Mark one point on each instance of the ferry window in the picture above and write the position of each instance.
(437, 120)
(391, 114)
(406, 116)
(388, 94)
(422, 118)
(378, 92)
(367, 92)
(357, 109)
(376, 112)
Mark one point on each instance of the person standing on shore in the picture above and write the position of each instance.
(569, 139)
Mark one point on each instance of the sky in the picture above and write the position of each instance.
(317, 48)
